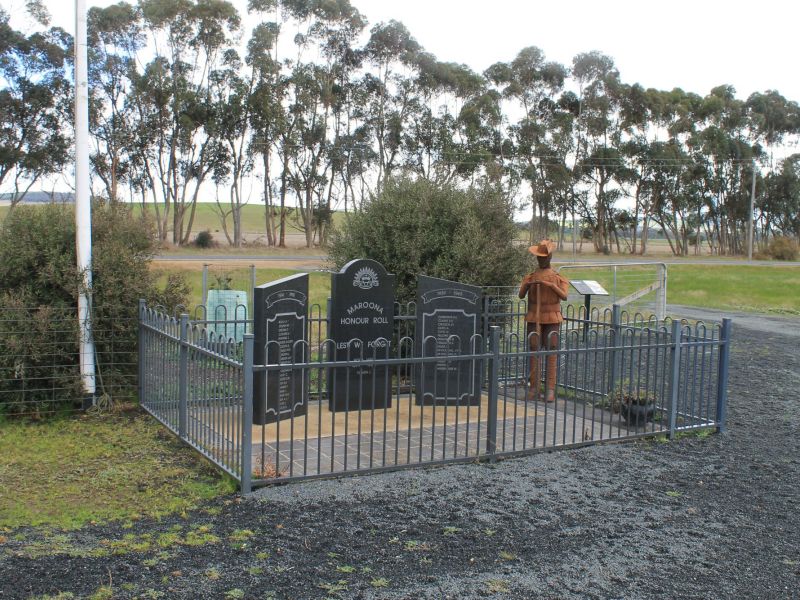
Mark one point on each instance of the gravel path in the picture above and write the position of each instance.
(703, 517)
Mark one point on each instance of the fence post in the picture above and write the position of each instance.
(253, 286)
(183, 378)
(494, 370)
(722, 375)
(675, 375)
(485, 330)
(616, 336)
(614, 296)
(205, 287)
(247, 415)
(140, 351)
(661, 293)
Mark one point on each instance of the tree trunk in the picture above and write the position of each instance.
(269, 216)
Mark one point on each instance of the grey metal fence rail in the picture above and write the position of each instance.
(618, 376)
(193, 381)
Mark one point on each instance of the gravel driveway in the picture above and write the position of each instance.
(709, 516)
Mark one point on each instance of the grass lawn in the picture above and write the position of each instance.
(763, 289)
(207, 216)
(768, 289)
(67, 472)
(319, 283)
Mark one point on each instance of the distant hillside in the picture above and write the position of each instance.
(41, 197)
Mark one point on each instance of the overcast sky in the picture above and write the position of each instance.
(692, 44)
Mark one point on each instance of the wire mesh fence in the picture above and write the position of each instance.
(615, 375)
(635, 286)
(40, 358)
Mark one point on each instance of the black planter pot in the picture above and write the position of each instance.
(637, 414)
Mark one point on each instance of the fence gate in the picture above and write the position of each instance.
(634, 286)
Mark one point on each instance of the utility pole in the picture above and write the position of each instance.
(83, 205)
(750, 224)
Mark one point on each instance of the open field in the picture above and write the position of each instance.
(749, 288)
(207, 217)
(319, 283)
(746, 288)
(295, 246)
(68, 472)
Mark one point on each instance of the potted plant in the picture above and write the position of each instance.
(634, 406)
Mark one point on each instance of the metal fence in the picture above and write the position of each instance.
(618, 376)
(40, 358)
(635, 286)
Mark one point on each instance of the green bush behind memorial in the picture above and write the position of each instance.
(416, 227)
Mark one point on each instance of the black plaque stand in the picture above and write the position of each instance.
(448, 324)
(361, 325)
(280, 310)
(588, 288)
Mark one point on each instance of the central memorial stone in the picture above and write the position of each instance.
(448, 321)
(280, 310)
(361, 327)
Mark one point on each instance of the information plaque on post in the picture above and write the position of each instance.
(588, 288)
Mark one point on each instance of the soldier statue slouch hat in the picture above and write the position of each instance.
(546, 289)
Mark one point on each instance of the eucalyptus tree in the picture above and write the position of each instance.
(450, 121)
(173, 103)
(539, 146)
(115, 37)
(780, 202)
(669, 189)
(481, 139)
(773, 121)
(315, 98)
(605, 169)
(231, 103)
(353, 153)
(271, 124)
(721, 144)
(772, 118)
(35, 103)
(393, 52)
(338, 34)
(598, 159)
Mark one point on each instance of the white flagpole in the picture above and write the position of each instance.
(83, 203)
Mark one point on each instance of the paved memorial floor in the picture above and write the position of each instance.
(325, 442)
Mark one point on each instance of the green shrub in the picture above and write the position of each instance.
(783, 248)
(204, 239)
(418, 227)
(39, 284)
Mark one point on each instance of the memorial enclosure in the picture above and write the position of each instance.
(288, 390)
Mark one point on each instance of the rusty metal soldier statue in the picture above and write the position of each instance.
(545, 289)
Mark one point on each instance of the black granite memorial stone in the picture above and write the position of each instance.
(361, 326)
(448, 324)
(280, 310)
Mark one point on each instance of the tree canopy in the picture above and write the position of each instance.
(323, 110)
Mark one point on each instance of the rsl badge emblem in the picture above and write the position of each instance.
(365, 278)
